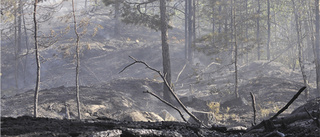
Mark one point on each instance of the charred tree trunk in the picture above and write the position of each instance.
(317, 44)
(78, 60)
(186, 29)
(304, 76)
(190, 31)
(235, 51)
(165, 50)
(269, 30)
(258, 30)
(37, 59)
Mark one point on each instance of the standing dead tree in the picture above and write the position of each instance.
(77, 58)
(37, 59)
(166, 84)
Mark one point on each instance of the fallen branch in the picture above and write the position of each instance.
(254, 108)
(181, 72)
(167, 84)
(166, 102)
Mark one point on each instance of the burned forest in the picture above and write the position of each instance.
(184, 68)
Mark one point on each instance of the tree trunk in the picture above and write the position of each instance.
(190, 28)
(78, 60)
(258, 30)
(37, 59)
(186, 29)
(304, 76)
(317, 44)
(165, 50)
(27, 47)
(235, 51)
(269, 31)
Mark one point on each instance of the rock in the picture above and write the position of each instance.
(135, 116)
(166, 116)
(142, 116)
(207, 118)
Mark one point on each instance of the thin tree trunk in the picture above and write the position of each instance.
(186, 29)
(165, 50)
(235, 51)
(258, 30)
(269, 31)
(305, 81)
(78, 60)
(37, 59)
(317, 44)
(15, 46)
(190, 26)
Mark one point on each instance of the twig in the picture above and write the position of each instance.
(168, 86)
(166, 102)
(254, 108)
(289, 103)
(181, 72)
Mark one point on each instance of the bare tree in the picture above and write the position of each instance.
(37, 59)
(235, 51)
(304, 76)
(258, 30)
(269, 30)
(165, 49)
(317, 44)
(77, 58)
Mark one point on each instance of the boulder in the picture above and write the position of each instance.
(207, 118)
(166, 116)
(142, 116)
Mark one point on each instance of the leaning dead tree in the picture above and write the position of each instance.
(37, 59)
(168, 86)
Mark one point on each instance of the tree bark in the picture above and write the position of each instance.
(37, 59)
(317, 44)
(235, 51)
(269, 30)
(78, 61)
(304, 76)
(258, 30)
(165, 50)
(190, 29)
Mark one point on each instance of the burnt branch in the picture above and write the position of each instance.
(254, 108)
(167, 84)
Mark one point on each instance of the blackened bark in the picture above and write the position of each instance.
(317, 44)
(165, 50)
(258, 30)
(269, 31)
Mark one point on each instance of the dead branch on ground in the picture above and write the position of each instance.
(167, 84)
(254, 108)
